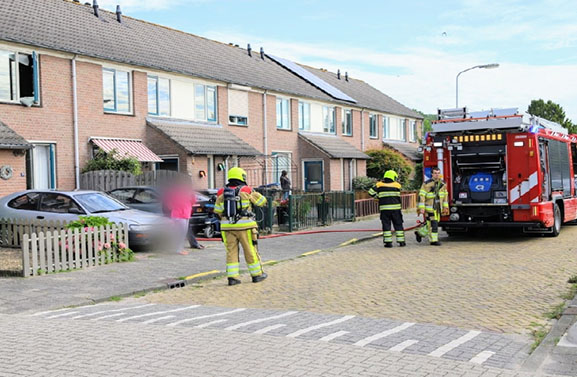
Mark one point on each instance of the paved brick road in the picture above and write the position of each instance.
(491, 283)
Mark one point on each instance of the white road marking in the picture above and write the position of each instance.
(210, 323)
(384, 334)
(332, 336)
(326, 324)
(482, 357)
(238, 326)
(61, 310)
(62, 315)
(270, 328)
(454, 344)
(111, 311)
(108, 316)
(157, 319)
(402, 346)
(155, 313)
(204, 316)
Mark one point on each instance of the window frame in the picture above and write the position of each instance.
(373, 129)
(35, 77)
(347, 115)
(114, 110)
(327, 111)
(280, 117)
(386, 127)
(412, 131)
(206, 90)
(157, 94)
(302, 124)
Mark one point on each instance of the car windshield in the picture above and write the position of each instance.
(96, 203)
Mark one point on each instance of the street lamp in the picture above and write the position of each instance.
(486, 66)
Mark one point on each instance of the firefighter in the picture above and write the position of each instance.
(238, 225)
(389, 194)
(433, 201)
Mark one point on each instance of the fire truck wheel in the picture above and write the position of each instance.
(556, 228)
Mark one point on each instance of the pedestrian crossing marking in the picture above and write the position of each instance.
(482, 357)
(372, 338)
(243, 324)
(332, 336)
(454, 344)
(111, 311)
(62, 315)
(157, 319)
(204, 316)
(108, 316)
(404, 345)
(202, 326)
(269, 328)
(312, 328)
(155, 313)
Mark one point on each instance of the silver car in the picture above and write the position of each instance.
(144, 227)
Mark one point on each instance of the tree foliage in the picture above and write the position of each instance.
(386, 159)
(113, 161)
(551, 111)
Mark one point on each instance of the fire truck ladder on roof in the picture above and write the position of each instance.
(460, 120)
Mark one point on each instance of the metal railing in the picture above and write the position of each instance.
(367, 207)
(318, 209)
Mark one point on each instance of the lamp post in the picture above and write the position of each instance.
(486, 66)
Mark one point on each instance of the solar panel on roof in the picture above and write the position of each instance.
(312, 79)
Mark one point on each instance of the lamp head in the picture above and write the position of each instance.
(489, 66)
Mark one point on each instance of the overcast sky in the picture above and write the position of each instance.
(410, 50)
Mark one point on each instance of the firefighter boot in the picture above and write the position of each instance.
(388, 244)
(435, 243)
(259, 278)
(419, 238)
(233, 281)
(402, 244)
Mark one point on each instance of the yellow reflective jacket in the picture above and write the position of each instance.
(248, 198)
(433, 196)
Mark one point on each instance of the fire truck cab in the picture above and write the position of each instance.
(503, 169)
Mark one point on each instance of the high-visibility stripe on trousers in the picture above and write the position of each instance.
(387, 236)
(247, 238)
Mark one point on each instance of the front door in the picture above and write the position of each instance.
(313, 175)
(41, 166)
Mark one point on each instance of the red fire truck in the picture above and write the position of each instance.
(503, 169)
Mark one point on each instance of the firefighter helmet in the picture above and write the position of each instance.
(237, 173)
(391, 174)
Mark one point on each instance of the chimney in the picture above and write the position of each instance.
(118, 14)
(249, 50)
(95, 6)
(339, 74)
(346, 76)
(262, 53)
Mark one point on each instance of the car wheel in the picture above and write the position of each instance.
(209, 232)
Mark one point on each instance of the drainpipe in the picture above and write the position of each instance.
(265, 137)
(362, 130)
(75, 124)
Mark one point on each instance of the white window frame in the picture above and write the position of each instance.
(347, 129)
(386, 127)
(130, 92)
(412, 131)
(279, 117)
(373, 119)
(329, 128)
(36, 77)
(205, 100)
(402, 129)
(302, 124)
(53, 162)
(158, 78)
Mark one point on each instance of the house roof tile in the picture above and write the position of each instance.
(333, 146)
(9, 139)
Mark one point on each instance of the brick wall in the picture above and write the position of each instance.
(18, 180)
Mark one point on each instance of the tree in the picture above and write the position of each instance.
(551, 111)
(113, 161)
(386, 159)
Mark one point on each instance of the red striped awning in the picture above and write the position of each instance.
(127, 147)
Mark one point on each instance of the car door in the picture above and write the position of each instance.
(147, 200)
(56, 206)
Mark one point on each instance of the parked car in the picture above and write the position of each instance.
(144, 227)
(148, 198)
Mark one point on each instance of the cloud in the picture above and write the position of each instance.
(425, 78)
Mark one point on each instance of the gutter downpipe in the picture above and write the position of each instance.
(75, 124)
(265, 137)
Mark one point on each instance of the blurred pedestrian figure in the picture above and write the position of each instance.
(285, 185)
(179, 201)
(234, 203)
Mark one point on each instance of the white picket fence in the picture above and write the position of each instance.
(12, 230)
(55, 251)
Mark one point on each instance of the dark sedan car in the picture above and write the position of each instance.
(147, 198)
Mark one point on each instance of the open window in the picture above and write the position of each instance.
(19, 77)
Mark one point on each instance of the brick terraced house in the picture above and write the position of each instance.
(75, 78)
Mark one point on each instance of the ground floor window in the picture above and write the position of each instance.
(168, 163)
(41, 167)
(281, 161)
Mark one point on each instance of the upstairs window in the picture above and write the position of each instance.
(386, 128)
(283, 114)
(347, 122)
(158, 96)
(373, 133)
(116, 91)
(205, 103)
(19, 77)
(304, 116)
(238, 107)
(402, 129)
(412, 131)
(329, 119)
